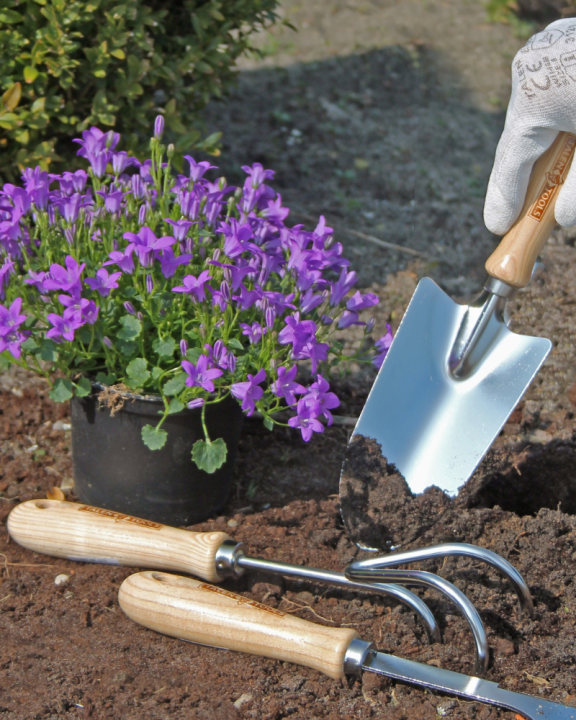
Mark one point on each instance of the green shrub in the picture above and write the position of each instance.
(535, 12)
(68, 64)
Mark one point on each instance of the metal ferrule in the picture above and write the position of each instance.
(500, 288)
(227, 559)
(357, 655)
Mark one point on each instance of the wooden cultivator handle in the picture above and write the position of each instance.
(514, 258)
(192, 610)
(82, 532)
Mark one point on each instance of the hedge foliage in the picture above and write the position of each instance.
(541, 12)
(68, 64)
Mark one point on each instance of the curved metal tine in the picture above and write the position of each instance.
(415, 603)
(453, 549)
(419, 578)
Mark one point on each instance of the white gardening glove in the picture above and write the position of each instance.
(543, 103)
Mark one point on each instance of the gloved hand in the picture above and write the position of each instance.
(543, 103)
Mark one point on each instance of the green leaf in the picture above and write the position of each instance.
(131, 328)
(5, 361)
(12, 96)
(175, 385)
(193, 355)
(105, 379)
(164, 348)
(29, 346)
(127, 348)
(268, 423)
(83, 387)
(209, 455)
(137, 372)
(233, 342)
(62, 390)
(48, 351)
(175, 406)
(154, 438)
(30, 74)
(156, 372)
(10, 17)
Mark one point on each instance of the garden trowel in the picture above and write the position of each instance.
(453, 375)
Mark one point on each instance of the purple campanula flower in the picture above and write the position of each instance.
(179, 228)
(169, 263)
(234, 274)
(122, 258)
(149, 284)
(37, 280)
(382, 346)
(274, 210)
(32, 178)
(315, 351)
(96, 147)
(200, 375)
(309, 301)
(286, 387)
(253, 332)
(247, 298)
(360, 302)
(197, 170)
(64, 326)
(306, 420)
(103, 282)
(120, 161)
(236, 236)
(112, 201)
(87, 308)
(257, 174)
(130, 309)
(327, 320)
(249, 391)
(190, 204)
(159, 127)
(296, 332)
(146, 243)
(321, 399)
(66, 279)
(69, 207)
(341, 287)
(194, 286)
(349, 318)
(72, 182)
(10, 230)
(138, 189)
(21, 198)
(145, 173)
(11, 318)
(196, 403)
(12, 342)
(183, 347)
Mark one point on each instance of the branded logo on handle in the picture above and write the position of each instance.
(119, 517)
(554, 178)
(241, 600)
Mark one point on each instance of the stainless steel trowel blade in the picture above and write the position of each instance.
(433, 426)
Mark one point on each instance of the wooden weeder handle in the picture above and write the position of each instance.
(514, 258)
(82, 532)
(192, 610)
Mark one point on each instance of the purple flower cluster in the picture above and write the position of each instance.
(140, 255)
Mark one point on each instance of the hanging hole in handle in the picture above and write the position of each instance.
(46, 504)
(158, 576)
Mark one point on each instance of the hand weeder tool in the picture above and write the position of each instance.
(453, 375)
(89, 534)
(201, 613)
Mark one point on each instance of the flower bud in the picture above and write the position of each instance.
(221, 183)
(170, 151)
(158, 127)
(227, 272)
(183, 347)
(270, 316)
(231, 362)
(142, 214)
(273, 364)
(370, 325)
(129, 308)
(202, 252)
(327, 320)
(202, 330)
(216, 255)
(149, 284)
(107, 342)
(110, 138)
(197, 403)
(225, 290)
(140, 316)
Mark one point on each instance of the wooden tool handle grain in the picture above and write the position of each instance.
(191, 610)
(514, 258)
(82, 532)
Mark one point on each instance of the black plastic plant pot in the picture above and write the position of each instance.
(113, 469)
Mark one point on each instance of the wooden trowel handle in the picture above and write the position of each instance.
(82, 532)
(191, 610)
(514, 258)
